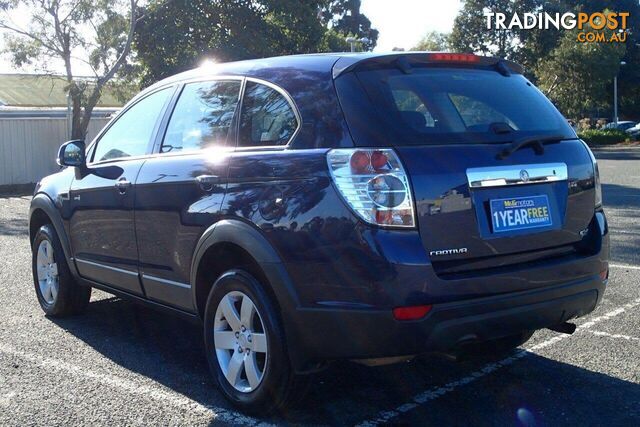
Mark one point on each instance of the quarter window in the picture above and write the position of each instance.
(131, 133)
(202, 116)
(267, 117)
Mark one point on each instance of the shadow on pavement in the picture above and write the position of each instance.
(620, 196)
(14, 227)
(170, 351)
(619, 154)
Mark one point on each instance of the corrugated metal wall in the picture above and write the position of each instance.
(28, 146)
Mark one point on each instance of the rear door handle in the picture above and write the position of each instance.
(122, 184)
(206, 182)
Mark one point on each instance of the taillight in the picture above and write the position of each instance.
(597, 184)
(596, 175)
(374, 184)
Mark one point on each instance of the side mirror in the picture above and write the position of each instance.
(71, 153)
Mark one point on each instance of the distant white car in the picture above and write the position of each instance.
(634, 131)
(621, 125)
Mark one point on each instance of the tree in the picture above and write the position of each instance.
(344, 17)
(433, 41)
(540, 52)
(470, 32)
(176, 36)
(576, 75)
(59, 29)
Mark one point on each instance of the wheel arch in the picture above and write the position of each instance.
(43, 211)
(233, 243)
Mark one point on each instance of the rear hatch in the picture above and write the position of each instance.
(498, 176)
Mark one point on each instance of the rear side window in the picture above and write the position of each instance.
(131, 133)
(267, 118)
(202, 116)
(439, 105)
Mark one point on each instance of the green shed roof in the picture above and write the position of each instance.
(37, 90)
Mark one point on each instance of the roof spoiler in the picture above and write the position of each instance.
(405, 61)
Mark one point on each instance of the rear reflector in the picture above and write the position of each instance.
(466, 58)
(411, 313)
(604, 274)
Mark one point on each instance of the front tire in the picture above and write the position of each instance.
(58, 293)
(245, 345)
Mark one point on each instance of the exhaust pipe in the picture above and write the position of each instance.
(565, 328)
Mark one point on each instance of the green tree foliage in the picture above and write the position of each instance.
(547, 53)
(177, 35)
(58, 29)
(344, 17)
(433, 41)
(576, 75)
(470, 32)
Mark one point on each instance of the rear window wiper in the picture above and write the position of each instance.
(537, 141)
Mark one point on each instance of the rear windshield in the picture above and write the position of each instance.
(437, 105)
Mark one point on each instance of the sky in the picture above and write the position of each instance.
(401, 23)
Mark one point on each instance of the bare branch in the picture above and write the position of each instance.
(100, 82)
(127, 47)
(31, 36)
(88, 63)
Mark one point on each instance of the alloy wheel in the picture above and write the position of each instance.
(240, 341)
(47, 271)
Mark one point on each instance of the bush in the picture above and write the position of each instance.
(604, 136)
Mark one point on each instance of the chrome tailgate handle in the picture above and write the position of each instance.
(500, 176)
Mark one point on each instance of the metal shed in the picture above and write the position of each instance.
(34, 121)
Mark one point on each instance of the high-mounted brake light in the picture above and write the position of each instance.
(374, 184)
(466, 58)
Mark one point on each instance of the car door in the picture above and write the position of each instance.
(181, 189)
(102, 196)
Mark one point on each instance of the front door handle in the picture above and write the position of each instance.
(123, 185)
(206, 182)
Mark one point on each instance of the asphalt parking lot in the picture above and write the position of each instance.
(125, 364)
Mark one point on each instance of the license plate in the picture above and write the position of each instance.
(520, 213)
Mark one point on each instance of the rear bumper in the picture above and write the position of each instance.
(349, 315)
(361, 334)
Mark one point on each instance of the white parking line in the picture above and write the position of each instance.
(634, 233)
(434, 393)
(620, 336)
(627, 266)
(157, 392)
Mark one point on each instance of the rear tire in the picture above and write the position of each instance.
(245, 345)
(58, 293)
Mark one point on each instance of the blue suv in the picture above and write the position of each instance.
(338, 206)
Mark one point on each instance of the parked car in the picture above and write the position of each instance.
(338, 206)
(621, 125)
(634, 131)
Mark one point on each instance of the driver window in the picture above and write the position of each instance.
(130, 135)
